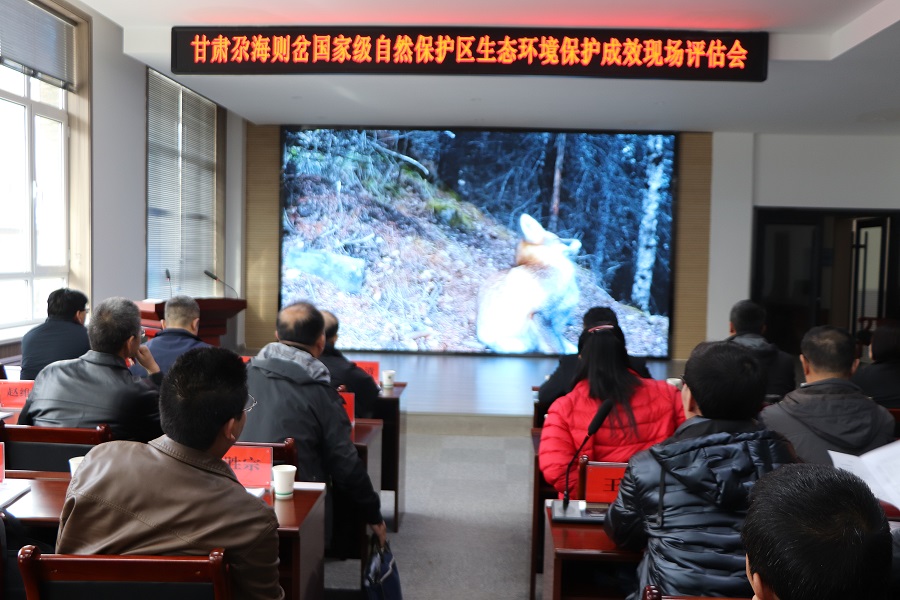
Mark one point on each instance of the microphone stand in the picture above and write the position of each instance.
(602, 412)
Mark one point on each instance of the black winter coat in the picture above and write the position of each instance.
(292, 403)
(684, 501)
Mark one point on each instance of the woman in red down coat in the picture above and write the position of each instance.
(645, 411)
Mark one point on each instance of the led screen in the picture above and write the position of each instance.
(478, 241)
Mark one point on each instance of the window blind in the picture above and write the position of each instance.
(181, 189)
(37, 42)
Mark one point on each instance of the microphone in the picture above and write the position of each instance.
(169, 279)
(602, 412)
(215, 277)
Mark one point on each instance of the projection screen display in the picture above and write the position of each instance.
(479, 241)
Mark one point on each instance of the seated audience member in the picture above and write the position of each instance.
(881, 379)
(683, 501)
(60, 337)
(179, 334)
(814, 532)
(562, 380)
(98, 387)
(645, 411)
(194, 502)
(347, 374)
(829, 412)
(295, 399)
(746, 325)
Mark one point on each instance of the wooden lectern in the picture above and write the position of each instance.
(214, 315)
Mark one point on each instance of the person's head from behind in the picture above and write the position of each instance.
(202, 399)
(603, 362)
(115, 327)
(301, 324)
(723, 381)
(599, 314)
(886, 342)
(814, 532)
(747, 317)
(182, 312)
(827, 351)
(331, 327)
(67, 304)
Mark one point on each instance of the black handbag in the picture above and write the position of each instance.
(382, 580)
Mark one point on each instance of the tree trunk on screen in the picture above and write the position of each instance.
(557, 181)
(646, 249)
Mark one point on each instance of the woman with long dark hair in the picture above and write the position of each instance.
(644, 411)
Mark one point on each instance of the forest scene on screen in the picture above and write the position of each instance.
(469, 241)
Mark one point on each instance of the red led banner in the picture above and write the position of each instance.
(633, 54)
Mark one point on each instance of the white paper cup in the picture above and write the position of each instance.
(387, 378)
(74, 463)
(283, 480)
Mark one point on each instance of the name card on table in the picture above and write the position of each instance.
(350, 406)
(251, 464)
(14, 393)
(371, 369)
(602, 483)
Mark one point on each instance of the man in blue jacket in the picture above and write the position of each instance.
(179, 334)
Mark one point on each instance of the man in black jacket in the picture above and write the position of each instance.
(684, 500)
(345, 373)
(814, 531)
(98, 387)
(747, 323)
(829, 412)
(561, 381)
(295, 399)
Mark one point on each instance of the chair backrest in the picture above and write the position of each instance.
(599, 481)
(651, 592)
(284, 453)
(137, 577)
(48, 448)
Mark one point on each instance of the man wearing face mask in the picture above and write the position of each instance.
(98, 387)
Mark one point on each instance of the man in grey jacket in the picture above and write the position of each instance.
(295, 399)
(828, 412)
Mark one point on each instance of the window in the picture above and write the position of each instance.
(181, 190)
(33, 195)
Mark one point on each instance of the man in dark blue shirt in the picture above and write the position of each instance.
(180, 327)
(60, 337)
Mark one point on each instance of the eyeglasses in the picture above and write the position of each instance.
(143, 335)
(251, 402)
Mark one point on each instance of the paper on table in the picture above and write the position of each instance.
(309, 485)
(880, 468)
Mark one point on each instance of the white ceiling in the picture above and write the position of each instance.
(834, 66)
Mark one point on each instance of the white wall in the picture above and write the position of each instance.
(818, 171)
(788, 171)
(234, 221)
(730, 228)
(119, 167)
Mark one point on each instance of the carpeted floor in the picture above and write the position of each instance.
(466, 529)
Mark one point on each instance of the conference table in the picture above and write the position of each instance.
(393, 449)
(572, 554)
(349, 536)
(301, 529)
